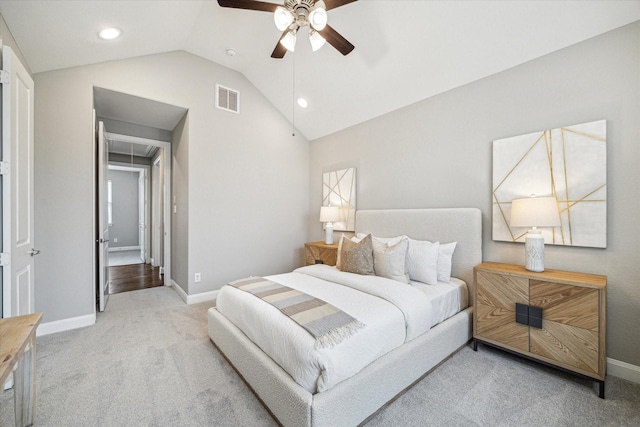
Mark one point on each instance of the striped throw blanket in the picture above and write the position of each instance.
(326, 323)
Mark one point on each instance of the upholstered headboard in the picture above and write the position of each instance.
(462, 225)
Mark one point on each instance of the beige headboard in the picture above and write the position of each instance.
(462, 225)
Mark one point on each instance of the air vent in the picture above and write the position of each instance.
(227, 99)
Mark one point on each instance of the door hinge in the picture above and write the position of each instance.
(4, 168)
(5, 259)
(4, 77)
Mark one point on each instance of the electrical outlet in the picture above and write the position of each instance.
(197, 277)
(115, 240)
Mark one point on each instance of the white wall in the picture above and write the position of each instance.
(240, 181)
(437, 153)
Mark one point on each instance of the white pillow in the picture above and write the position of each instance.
(445, 253)
(387, 240)
(390, 260)
(422, 261)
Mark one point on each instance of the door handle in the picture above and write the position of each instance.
(34, 252)
(102, 240)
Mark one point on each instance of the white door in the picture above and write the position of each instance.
(18, 273)
(103, 218)
(142, 215)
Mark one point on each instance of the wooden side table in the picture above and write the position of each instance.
(17, 354)
(554, 317)
(320, 253)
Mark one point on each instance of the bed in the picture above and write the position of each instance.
(350, 398)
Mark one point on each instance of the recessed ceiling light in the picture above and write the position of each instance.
(303, 103)
(231, 52)
(109, 33)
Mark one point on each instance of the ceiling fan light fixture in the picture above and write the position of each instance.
(317, 41)
(283, 18)
(289, 41)
(318, 18)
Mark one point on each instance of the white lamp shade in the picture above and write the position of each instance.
(329, 214)
(534, 212)
(317, 41)
(283, 18)
(318, 18)
(289, 41)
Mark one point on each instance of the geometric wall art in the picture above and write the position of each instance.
(339, 189)
(569, 163)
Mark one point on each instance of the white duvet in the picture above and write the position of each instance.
(393, 313)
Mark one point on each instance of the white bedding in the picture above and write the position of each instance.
(393, 313)
(447, 298)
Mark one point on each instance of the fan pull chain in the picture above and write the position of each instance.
(293, 100)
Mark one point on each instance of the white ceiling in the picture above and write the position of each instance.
(405, 51)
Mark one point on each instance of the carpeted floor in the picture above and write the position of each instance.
(148, 361)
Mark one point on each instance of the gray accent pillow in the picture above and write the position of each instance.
(357, 257)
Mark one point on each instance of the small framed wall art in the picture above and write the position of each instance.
(339, 189)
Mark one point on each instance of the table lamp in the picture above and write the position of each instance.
(329, 215)
(534, 212)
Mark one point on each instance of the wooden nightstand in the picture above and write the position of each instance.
(554, 317)
(320, 253)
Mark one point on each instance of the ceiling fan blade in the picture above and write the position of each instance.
(249, 5)
(332, 4)
(280, 50)
(336, 40)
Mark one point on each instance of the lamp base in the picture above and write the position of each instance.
(534, 251)
(328, 237)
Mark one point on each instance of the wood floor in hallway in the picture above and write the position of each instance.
(124, 278)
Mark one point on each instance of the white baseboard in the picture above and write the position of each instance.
(193, 299)
(124, 248)
(179, 291)
(623, 370)
(65, 324)
(202, 297)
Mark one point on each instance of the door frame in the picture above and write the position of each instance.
(146, 170)
(167, 195)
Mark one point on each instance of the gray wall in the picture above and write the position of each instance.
(132, 129)
(124, 186)
(437, 153)
(8, 40)
(180, 204)
(240, 180)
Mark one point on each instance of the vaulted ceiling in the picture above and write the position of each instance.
(405, 51)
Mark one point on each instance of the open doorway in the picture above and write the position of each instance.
(138, 212)
(145, 127)
(128, 211)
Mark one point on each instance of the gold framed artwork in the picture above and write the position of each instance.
(569, 163)
(339, 189)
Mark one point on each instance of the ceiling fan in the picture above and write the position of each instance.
(296, 14)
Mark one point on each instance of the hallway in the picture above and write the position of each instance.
(124, 278)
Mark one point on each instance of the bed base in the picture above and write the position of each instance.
(352, 401)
